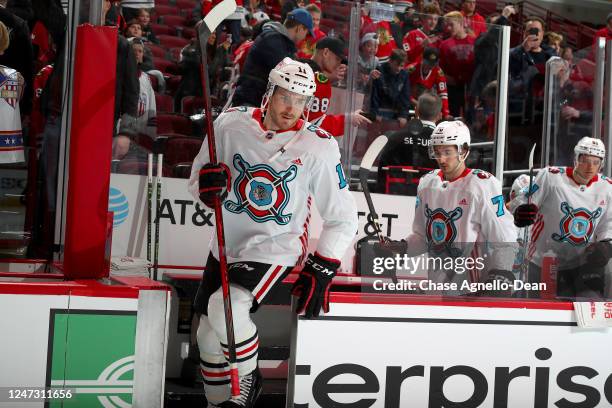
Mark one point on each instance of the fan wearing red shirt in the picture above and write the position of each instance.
(605, 32)
(457, 61)
(474, 22)
(327, 64)
(427, 76)
(386, 43)
(415, 41)
(306, 48)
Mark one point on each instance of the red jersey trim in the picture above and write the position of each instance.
(258, 115)
(570, 173)
(462, 175)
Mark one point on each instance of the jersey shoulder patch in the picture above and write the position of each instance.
(322, 134)
(481, 174)
(556, 170)
(322, 78)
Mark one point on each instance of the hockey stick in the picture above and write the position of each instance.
(525, 248)
(214, 17)
(149, 209)
(364, 171)
(158, 189)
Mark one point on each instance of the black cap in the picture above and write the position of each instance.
(431, 55)
(334, 44)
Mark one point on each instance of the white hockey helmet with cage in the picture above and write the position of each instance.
(294, 76)
(450, 133)
(590, 146)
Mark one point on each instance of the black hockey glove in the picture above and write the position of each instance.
(312, 286)
(503, 282)
(388, 249)
(215, 180)
(525, 215)
(598, 253)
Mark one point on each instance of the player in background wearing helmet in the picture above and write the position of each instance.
(573, 204)
(272, 165)
(460, 212)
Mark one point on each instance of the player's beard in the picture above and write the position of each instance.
(282, 120)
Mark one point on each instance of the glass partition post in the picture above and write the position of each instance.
(598, 86)
(607, 137)
(502, 102)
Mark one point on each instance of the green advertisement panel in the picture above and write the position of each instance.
(92, 353)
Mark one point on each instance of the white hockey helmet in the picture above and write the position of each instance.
(450, 133)
(590, 146)
(293, 76)
(519, 186)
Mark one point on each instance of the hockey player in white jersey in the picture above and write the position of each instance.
(11, 91)
(460, 212)
(570, 216)
(272, 164)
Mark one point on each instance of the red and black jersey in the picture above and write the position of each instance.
(386, 43)
(413, 45)
(334, 124)
(306, 47)
(434, 81)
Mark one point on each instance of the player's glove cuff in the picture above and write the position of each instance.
(312, 286)
(525, 215)
(214, 181)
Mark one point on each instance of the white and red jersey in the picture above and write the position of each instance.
(434, 81)
(11, 138)
(413, 45)
(468, 212)
(266, 213)
(570, 215)
(333, 124)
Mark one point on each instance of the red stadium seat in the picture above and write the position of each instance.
(164, 103)
(188, 32)
(132, 166)
(160, 29)
(170, 41)
(163, 10)
(191, 104)
(164, 65)
(157, 51)
(174, 123)
(181, 150)
(186, 4)
(174, 20)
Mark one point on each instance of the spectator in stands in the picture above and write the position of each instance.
(146, 119)
(289, 6)
(22, 9)
(457, 61)
(474, 22)
(367, 60)
(486, 51)
(427, 36)
(427, 77)
(131, 8)
(528, 60)
(144, 17)
(134, 30)
(127, 90)
(390, 99)
(605, 32)
(327, 64)
(276, 42)
(483, 126)
(189, 68)
(306, 47)
(410, 150)
(403, 21)
(19, 56)
(256, 12)
(554, 41)
(576, 74)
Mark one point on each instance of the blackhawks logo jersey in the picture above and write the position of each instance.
(570, 215)
(266, 214)
(11, 138)
(467, 213)
(334, 124)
